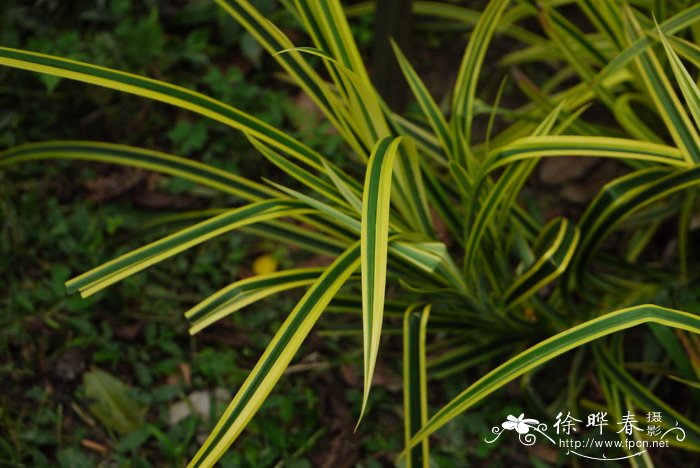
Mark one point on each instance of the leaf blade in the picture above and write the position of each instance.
(415, 385)
(374, 241)
(139, 157)
(159, 91)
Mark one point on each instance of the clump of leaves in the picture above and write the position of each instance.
(490, 281)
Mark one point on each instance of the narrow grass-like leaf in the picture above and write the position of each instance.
(688, 50)
(363, 110)
(565, 34)
(415, 382)
(419, 256)
(553, 250)
(246, 291)
(336, 31)
(141, 258)
(204, 174)
(689, 383)
(374, 240)
(469, 71)
(276, 358)
(434, 252)
(572, 145)
(465, 356)
(305, 238)
(425, 100)
(347, 220)
(605, 16)
(685, 81)
(159, 91)
(410, 172)
(274, 41)
(316, 184)
(424, 139)
(351, 197)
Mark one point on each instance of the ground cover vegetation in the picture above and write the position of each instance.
(424, 231)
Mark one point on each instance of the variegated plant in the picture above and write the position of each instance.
(509, 287)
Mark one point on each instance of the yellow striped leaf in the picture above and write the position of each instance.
(374, 240)
(415, 382)
(115, 270)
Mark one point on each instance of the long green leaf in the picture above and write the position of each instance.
(685, 81)
(115, 270)
(572, 145)
(292, 234)
(295, 171)
(246, 291)
(159, 91)
(138, 157)
(374, 240)
(410, 172)
(469, 71)
(465, 356)
(415, 382)
(425, 101)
